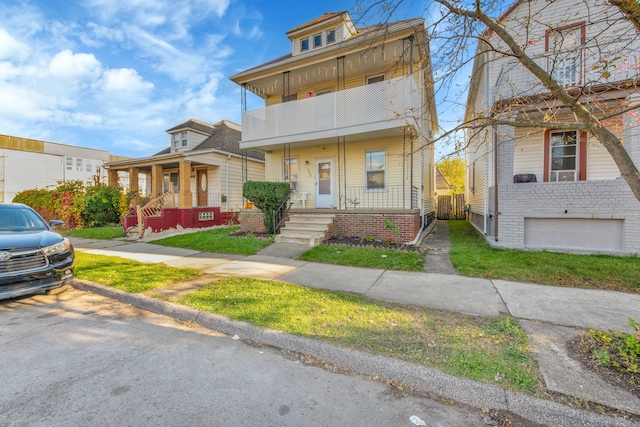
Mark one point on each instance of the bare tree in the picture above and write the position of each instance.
(595, 101)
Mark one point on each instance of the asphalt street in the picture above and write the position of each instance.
(82, 359)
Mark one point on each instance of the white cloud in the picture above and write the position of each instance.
(12, 49)
(67, 65)
(125, 80)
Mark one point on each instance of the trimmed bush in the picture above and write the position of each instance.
(102, 206)
(266, 196)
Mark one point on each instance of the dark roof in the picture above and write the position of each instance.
(194, 125)
(226, 138)
(165, 151)
(325, 17)
(441, 180)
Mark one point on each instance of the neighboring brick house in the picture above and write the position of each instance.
(348, 119)
(555, 189)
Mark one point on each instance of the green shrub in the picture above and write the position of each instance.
(102, 206)
(39, 199)
(267, 196)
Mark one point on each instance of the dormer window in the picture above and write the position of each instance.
(176, 140)
(304, 45)
(331, 36)
(184, 139)
(317, 40)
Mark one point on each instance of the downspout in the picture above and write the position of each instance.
(227, 185)
(495, 183)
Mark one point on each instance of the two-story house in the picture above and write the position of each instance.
(347, 122)
(204, 167)
(553, 186)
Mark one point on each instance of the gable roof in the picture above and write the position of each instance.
(441, 180)
(325, 17)
(194, 125)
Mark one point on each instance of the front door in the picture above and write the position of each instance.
(324, 183)
(202, 187)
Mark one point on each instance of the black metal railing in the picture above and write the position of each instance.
(280, 214)
(396, 197)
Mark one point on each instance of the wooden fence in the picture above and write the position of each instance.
(451, 206)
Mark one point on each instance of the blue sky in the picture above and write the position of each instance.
(116, 75)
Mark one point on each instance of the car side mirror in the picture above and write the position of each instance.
(56, 223)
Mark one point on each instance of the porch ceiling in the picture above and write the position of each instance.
(370, 59)
(167, 164)
(319, 138)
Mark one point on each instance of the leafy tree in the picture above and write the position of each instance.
(453, 168)
(267, 196)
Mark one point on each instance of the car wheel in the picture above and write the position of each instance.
(56, 291)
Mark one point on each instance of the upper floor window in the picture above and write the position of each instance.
(564, 60)
(79, 167)
(184, 139)
(374, 79)
(69, 163)
(304, 45)
(375, 165)
(317, 40)
(176, 140)
(331, 36)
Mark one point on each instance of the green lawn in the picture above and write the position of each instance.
(473, 256)
(96, 233)
(217, 240)
(128, 275)
(365, 257)
(492, 350)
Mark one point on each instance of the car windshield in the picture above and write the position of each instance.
(20, 219)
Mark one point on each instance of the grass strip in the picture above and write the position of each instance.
(365, 257)
(128, 275)
(104, 233)
(474, 257)
(492, 350)
(216, 240)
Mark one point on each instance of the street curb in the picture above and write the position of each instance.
(429, 380)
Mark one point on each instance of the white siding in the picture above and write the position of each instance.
(600, 164)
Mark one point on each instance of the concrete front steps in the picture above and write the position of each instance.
(304, 229)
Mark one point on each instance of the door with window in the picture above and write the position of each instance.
(324, 183)
(202, 187)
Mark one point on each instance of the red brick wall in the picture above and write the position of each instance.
(357, 224)
(251, 221)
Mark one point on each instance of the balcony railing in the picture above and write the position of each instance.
(394, 102)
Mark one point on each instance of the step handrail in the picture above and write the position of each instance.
(154, 206)
(280, 214)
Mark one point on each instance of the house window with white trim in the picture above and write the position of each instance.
(564, 48)
(331, 36)
(184, 139)
(69, 163)
(304, 45)
(79, 166)
(290, 172)
(169, 178)
(564, 156)
(375, 166)
(317, 40)
(374, 79)
(176, 140)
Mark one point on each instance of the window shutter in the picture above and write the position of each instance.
(583, 156)
(547, 154)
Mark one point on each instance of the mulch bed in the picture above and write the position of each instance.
(371, 244)
(623, 380)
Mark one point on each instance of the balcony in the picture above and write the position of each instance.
(362, 110)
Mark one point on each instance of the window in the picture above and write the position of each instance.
(304, 45)
(331, 36)
(176, 140)
(375, 165)
(324, 91)
(375, 79)
(79, 165)
(184, 139)
(69, 163)
(290, 172)
(288, 98)
(565, 54)
(563, 156)
(87, 166)
(317, 40)
(168, 178)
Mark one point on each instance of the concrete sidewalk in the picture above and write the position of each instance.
(551, 315)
